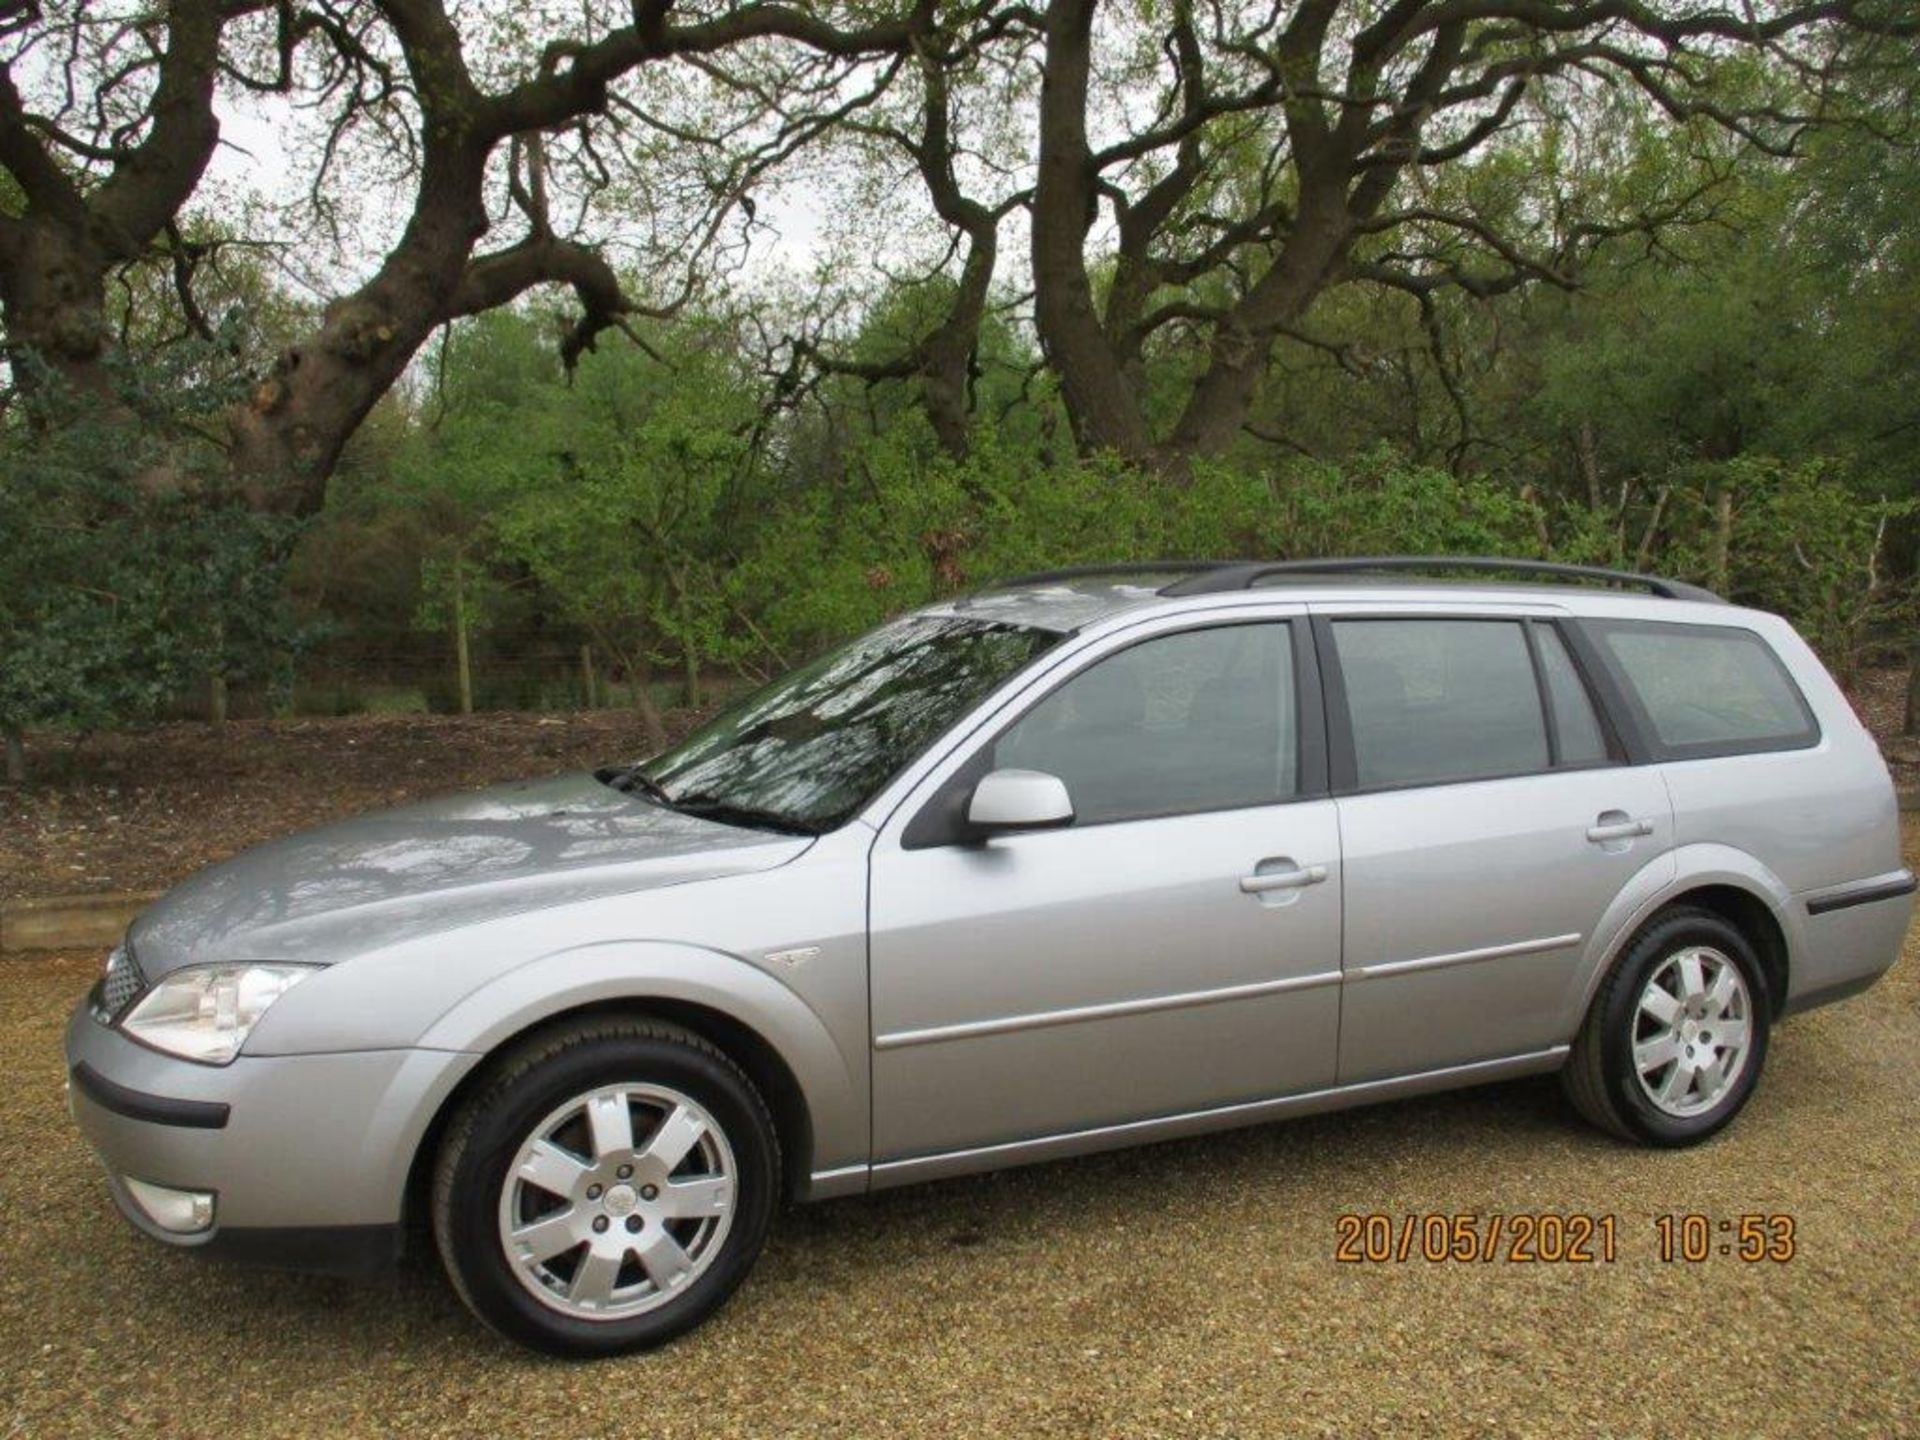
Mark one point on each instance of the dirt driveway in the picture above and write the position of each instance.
(1186, 1290)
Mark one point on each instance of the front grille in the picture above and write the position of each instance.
(122, 983)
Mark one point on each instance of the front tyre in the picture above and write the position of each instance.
(606, 1188)
(1675, 1039)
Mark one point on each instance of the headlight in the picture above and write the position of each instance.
(205, 1013)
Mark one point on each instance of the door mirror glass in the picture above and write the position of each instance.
(1020, 800)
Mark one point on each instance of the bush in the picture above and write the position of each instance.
(1807, 544)
(909, 531)
(127, 574)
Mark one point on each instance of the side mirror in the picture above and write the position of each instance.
(1020, 800)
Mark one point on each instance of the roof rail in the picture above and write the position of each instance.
(1211, 579)
(1194, 569)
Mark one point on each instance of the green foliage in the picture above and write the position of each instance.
(836, 560)
(455, 587)
(1378, 504)
(126, 576)
(1807, 544)
(616, 497)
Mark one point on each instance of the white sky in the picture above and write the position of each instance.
(254, 161)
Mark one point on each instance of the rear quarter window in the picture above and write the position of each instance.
(1706, 689)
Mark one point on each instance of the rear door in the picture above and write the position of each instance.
(1487, 821)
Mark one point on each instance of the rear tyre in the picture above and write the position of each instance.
(606, 1189)
(1674, 1041)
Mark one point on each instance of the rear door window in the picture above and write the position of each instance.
(1434, 701)
(1706, 689)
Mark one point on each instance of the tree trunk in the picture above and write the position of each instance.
(690, 694)
(53, 300)
(58, 248)
(1720, 556)
(1102, 407)
(948, 366)
(947, 354)
(1096, 358)
(650, 721)
(55, 293)
(1588, 450)
(1912, 726)
(463, 655)
(1650, 534)
(588, 689)
(288, 437)
(16, 756)
(217, 681)
(1221, 399)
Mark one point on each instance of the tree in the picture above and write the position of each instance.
(624, 497)
(107, 129)
(941, 350)
(1239, 162)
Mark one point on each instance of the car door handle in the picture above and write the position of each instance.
(1617, 825)
(1297, 878)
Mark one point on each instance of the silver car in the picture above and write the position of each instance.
(1088, 859)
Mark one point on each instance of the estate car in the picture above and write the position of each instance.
(1087, 859)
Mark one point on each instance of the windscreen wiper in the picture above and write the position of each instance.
(711, 807)
(628, 778)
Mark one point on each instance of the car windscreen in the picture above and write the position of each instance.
(814, 746)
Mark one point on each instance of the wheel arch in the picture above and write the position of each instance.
(769, 1071)
(816, 1096)
(1718, 878)
(1754, 918)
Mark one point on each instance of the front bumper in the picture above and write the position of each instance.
(307, 1156)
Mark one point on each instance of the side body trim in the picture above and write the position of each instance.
(1466, 957)
(832, 1184)
(1862, 892)
(1005, 1024)
(1225, 1117)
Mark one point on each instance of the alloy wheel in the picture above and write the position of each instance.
(617, 1201)
(1692, 1031)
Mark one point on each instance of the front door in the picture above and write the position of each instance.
(1175, 949)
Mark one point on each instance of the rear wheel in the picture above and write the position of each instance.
(1675, 1039)
(607, 1189)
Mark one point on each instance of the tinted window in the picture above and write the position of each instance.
(1706, 687)
(1202, 720)
(1582, 742)
(1438, 700)
(813, 746)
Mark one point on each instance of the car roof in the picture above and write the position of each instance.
(1064, 604)
(1067, 600)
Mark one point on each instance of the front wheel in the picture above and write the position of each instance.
(606, 1189)
(1675, 1039)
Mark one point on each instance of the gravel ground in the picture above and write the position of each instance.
(1184, 1290)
